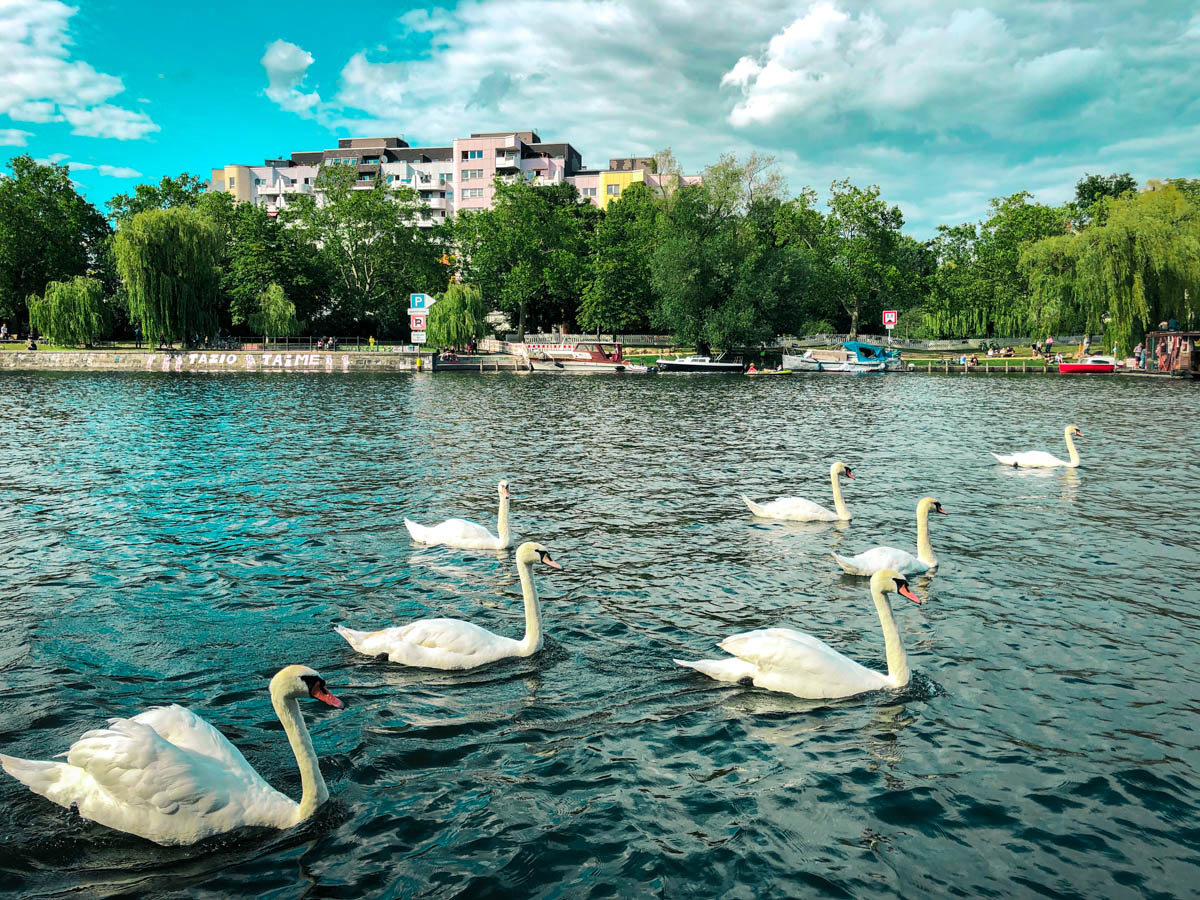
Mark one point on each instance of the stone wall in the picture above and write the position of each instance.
(214, 361)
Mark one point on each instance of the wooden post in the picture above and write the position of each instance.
(947, 365)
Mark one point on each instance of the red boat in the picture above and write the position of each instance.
(1089, 365)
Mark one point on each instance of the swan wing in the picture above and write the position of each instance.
(798, 663)
(1033, 459)
(185, 729)
(879, 558)
(796, 509)
(454, 533)
(433, 644)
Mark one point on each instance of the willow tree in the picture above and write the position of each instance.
(276, 314)
(1140, 267)
(168, 260)
(459, 316)
(70, 312)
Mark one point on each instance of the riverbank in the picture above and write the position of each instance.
(214, 361)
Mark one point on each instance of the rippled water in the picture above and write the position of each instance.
(178, 539)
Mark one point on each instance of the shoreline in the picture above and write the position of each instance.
(227, 361)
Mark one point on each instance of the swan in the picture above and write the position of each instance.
(797, 509)
(453, 643)
(781, 659)
(1040, 459)
(878, 558)
(168, 776)
(466, 535)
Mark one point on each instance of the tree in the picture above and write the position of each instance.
(71, 313)
(168, 260)
(1140, 267)
(183, 190)
(530, 251)
(276, 314)
(368, 242)
(618, 298)
(48, 232)
(459, 315)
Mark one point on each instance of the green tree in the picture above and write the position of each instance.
(48, 232)
(459, 315)
(368, 241)
(70, 313)
(1140, 267)
(619, 297)
(276, 314)
(183, 190)
(168, 260)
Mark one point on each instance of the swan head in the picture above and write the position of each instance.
(889, 581)
(502, 490)
(1073, 430)
(840, 468)
(531, 551)
(294, 682)
(927, 504)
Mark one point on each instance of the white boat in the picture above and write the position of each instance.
(852, 356)
(701, 364)
(588, 357)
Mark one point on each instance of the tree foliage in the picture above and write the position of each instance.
(275, 315)
(183, 190)
(618, 297)
(168, 260)
(459, 315)
(70, 313)
(48, 232)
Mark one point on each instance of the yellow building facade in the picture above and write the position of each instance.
(621, 180)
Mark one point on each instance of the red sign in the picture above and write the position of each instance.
(890, 317)
(416, 321)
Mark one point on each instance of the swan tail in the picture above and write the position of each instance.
(1007, 460)
(848, 565)
(754, 507)
(417, 531)
(41, 777)
(731, 670)
(352, 637)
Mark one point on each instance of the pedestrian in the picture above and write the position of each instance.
(137, 337)
(4, 332)
(1049, 344)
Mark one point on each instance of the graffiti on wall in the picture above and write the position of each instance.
(250, 362)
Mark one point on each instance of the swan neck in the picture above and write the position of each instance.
(1071, 451)
(838, 503)
(897, 659)
(532, 642)
(312, 785)
(924, 545)
(502, 522)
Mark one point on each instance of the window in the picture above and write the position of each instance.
(232, 181)
(472, 154)
(308, 181)
(471, 174)
(614, 190)
(364, 176)
(446, 177)
(258, 181)
(472, 193)
(588, 192)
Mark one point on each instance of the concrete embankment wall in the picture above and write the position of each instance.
(214, 361)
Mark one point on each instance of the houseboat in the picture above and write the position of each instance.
(585, 357)
(1173, 353)
(851, 356)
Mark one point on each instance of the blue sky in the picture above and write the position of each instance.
(943, 105)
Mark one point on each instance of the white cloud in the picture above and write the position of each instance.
(100, 169)
(108, 121)
(14, 137)
(40, 82)
(286, 66)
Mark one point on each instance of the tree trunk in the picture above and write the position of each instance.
(854, 322)
(521, 323)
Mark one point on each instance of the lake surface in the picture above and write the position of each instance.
(178, 539)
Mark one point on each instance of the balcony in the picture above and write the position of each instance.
(435, 202)
(508, 162)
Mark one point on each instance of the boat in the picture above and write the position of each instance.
(586, 356)
(1089, 365)
(755, 373)
(723, 363)
(851, 356)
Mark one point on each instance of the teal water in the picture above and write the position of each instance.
(178, 539)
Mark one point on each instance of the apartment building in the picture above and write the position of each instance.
(447, 179)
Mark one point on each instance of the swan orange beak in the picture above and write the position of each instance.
(907, 592)
(849, 474)
(320, 693)
(506, 495)
(1078, 433)
(551, 563)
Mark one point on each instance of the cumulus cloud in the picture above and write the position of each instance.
(105, 169)
(14, 137)
(943, 107)
(40, 82)
(287, 65)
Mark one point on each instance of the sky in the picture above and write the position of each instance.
(943, 105)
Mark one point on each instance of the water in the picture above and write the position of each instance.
(178, 539)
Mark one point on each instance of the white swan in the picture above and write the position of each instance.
(170, 777)
(1040, 459)
(453, 643)
(880, 558)
(781, 659)
(466, 535)
(797, 509)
